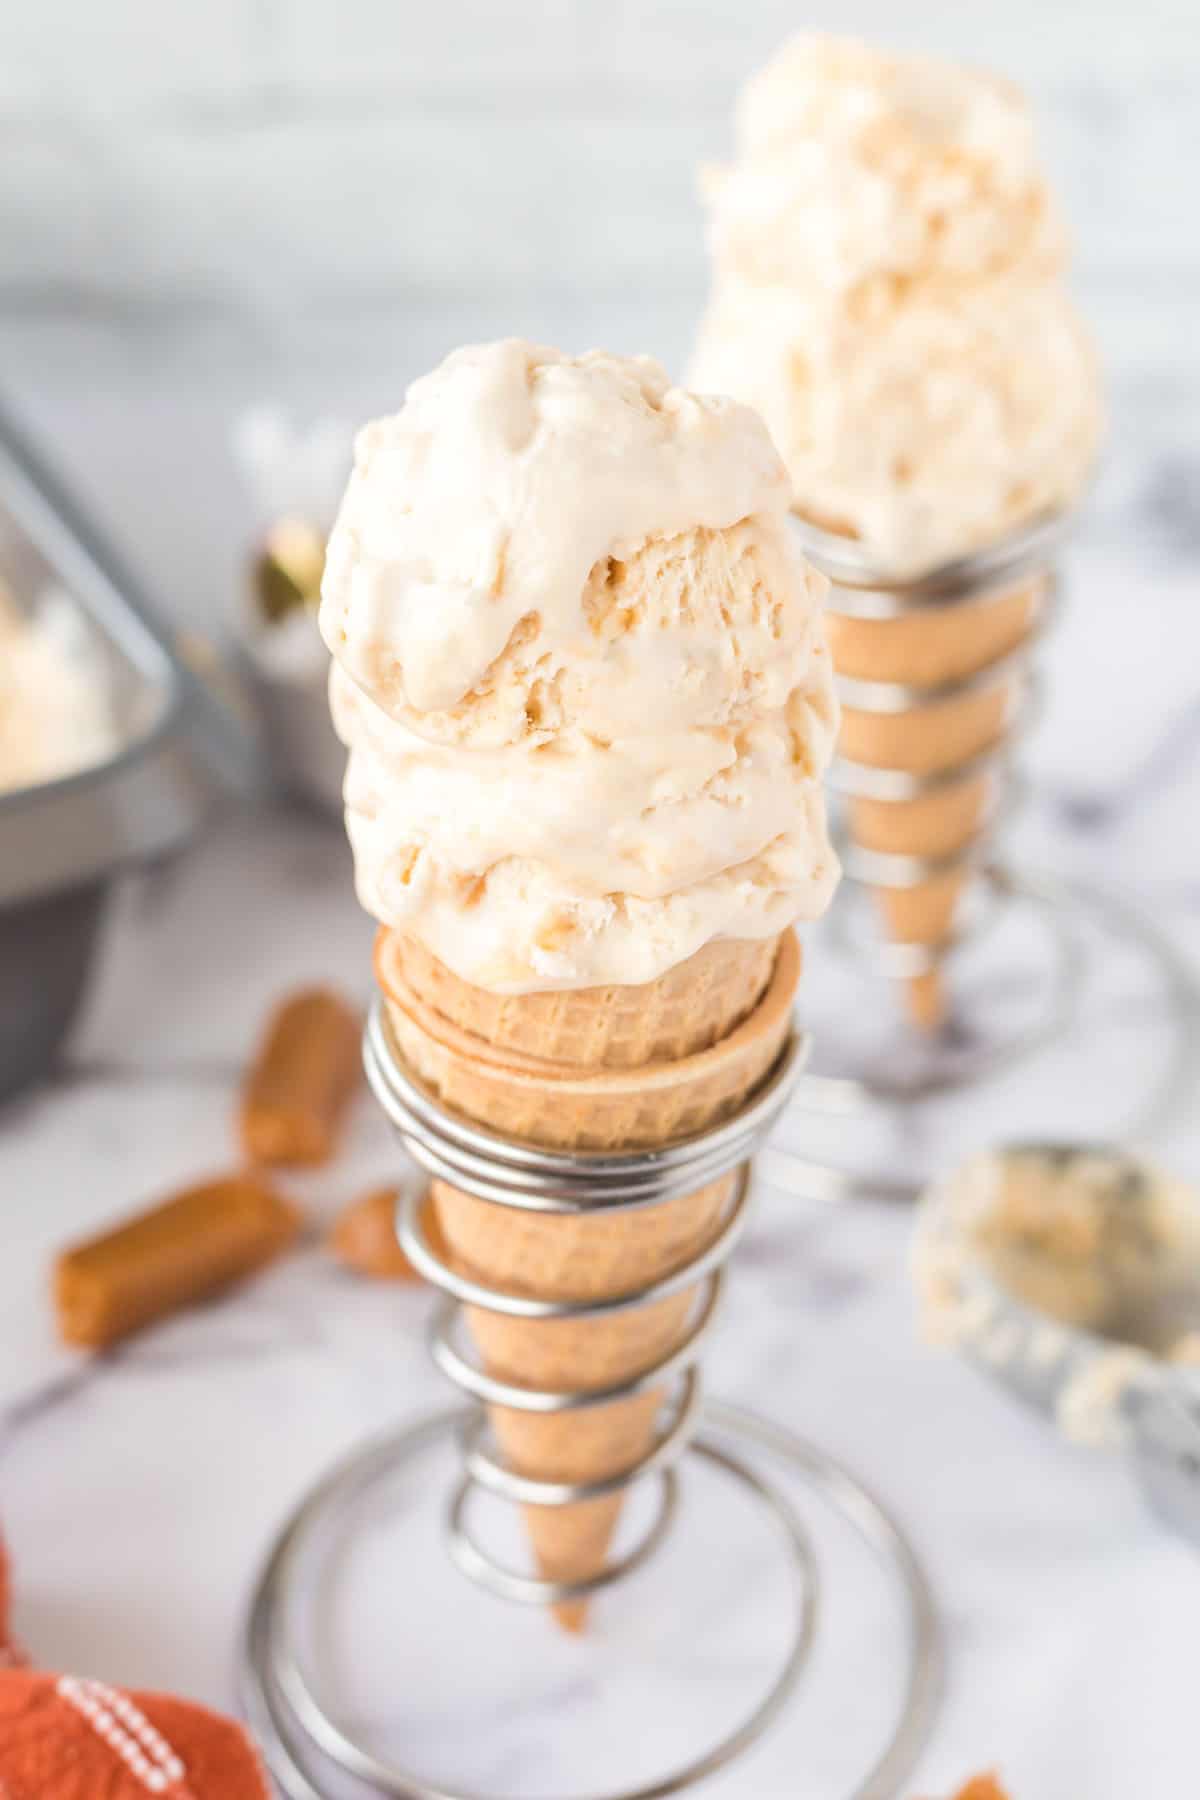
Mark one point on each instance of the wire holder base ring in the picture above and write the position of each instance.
(1068, 910)
(1001, 887)
(298, 1731)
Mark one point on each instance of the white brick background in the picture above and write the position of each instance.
(204, 203)
(287, 158)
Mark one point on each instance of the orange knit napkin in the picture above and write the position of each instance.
(66, 1738)
(63, 1737)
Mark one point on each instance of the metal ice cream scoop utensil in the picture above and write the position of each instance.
(1079, 1329)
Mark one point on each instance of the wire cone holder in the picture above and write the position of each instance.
(938, 685)
(516, 1181)
(572, 1183)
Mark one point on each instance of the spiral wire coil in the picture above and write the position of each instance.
(301, 1729)
(860, 590)
(523, 1176)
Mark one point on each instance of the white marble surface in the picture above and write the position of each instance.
(139, 1492)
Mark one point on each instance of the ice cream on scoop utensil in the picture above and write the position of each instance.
(1071, 1273)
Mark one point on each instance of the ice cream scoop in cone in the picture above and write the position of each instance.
(930, 696)
(583, 679)
(589, 1256)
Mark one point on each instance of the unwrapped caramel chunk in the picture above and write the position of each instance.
(300, 1085)
(364, 1236)
(189, 1247)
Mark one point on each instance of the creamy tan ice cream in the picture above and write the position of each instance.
(55, 708)
(888, 294)
(581, 671)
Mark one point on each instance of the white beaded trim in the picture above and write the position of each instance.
(127, 1732)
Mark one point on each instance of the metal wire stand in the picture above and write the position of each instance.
(297, 1727)
(862, 591)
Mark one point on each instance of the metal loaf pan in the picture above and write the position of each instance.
(63, 842)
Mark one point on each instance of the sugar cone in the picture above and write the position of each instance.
(687, 1009)
(583, 1260)
(586, 1256)
(928, 649)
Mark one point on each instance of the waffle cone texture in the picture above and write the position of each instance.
(927, 649)
(690, 1007)
(564, 1104)
(521, 1093)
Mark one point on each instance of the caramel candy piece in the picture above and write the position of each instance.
(302, 1080)
(364, 1236)
(189, 1247)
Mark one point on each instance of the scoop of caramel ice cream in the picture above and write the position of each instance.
(581, 671)
(888, 292)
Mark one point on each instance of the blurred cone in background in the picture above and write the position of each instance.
(933, 648)
(615, 1068)
(890, 292)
